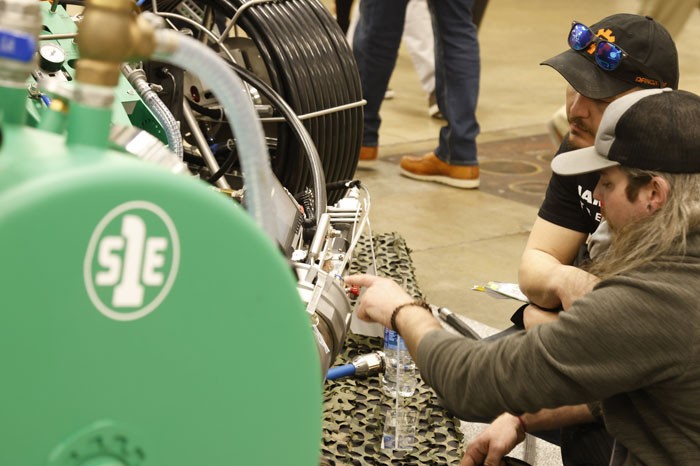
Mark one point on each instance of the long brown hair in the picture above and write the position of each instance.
(664, 232)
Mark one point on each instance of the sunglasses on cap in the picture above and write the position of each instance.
(608, 56)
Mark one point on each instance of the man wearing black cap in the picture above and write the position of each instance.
(629, 348)
(615, 56)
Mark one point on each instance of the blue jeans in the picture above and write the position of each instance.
(457, 67)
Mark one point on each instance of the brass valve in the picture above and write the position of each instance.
(111, 33)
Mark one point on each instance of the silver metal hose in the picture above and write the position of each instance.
(170, 125)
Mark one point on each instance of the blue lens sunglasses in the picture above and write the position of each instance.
(608, 56)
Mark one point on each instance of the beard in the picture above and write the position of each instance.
(581, 128)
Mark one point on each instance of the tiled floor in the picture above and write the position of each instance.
(462, 238)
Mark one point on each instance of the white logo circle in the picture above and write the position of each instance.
(131, 261)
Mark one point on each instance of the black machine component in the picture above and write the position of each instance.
(294, 52)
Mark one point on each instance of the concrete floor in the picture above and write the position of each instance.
(461, 238)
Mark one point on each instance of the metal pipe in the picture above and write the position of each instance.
(108, 36)
(320, 236)
(199, 27)
(237, 15)
(326, 111)
(363, 210)
(207, 22)
(69, 35)
(202, 144)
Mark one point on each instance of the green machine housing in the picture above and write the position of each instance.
(128, 108)
(145, 318)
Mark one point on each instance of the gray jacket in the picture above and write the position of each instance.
(633, 342)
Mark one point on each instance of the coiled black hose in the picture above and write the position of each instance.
(311, 67)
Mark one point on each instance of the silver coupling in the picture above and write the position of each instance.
(368, 364)
(20, 25)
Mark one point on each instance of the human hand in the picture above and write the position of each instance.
(490, 446)
(380, 298)
(534, 315)
(574, 284)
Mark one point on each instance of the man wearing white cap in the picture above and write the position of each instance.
(630, 348)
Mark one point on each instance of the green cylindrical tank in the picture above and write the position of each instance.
(144, 318)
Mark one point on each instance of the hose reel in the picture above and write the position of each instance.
(308, 63)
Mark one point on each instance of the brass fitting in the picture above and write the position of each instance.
(110, 34)
(58, 105)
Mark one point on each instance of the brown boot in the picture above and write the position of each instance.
(368, 155)
(431, 168)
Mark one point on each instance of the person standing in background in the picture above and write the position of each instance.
(457, 70)
(418, 39)
(342, 14)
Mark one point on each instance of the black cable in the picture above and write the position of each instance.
(302, 35)
(326, 85)
(288, 148)
(310, 66)
(225, 167)
(295, 80)
(215, 114)
(280, 104)
(318, 89)
(352, 85)
(342, 184)
(192, 158)
(163, 5)
(311, 30)
(333, 162)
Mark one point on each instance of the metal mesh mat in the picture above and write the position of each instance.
(354, 409)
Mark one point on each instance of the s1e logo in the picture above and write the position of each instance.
(131, 261)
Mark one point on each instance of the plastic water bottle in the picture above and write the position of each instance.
(400, 428)
(406, 381)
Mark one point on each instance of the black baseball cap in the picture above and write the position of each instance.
(644, 40)
(652, 129)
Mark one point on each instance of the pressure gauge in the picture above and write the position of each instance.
(51, 57)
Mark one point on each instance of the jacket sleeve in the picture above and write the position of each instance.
(626, 334)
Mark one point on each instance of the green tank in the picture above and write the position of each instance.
(145, 318)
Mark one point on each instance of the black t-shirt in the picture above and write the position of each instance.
(569, 200)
